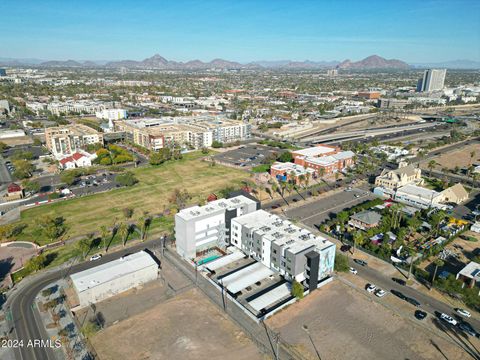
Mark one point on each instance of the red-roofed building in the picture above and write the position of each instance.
(77, 159)
(14, 192)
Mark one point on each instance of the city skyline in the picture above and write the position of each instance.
(415, 33)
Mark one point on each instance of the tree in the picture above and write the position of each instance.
(127, 179)
(104, 234)
(180, 198)
(358, 239)
(69, 177)
(342, 217)
(431, 165)
(51, 228)
(128, 212)
(84, 246)
(124, 231)
(297, 289)
(411, 253)
(217, 144)
(438, 263)
(31, 186)
(341, 263)
(472, 155)
(23, 169)
(269, 192)
(285, 157)
(36, 263)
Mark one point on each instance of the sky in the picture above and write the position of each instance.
(240, 30)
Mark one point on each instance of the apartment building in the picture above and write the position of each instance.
(329, 158)
(66, 140)
(77, 107)
(200, 228)
(112, 114)
(196, 131)
(292, 251)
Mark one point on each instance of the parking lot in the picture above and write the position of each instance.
(247, 156)
(316, 212)
(338, 322)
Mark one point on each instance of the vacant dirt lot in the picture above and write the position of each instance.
(460, 158)
(343, 324)
(185, 327)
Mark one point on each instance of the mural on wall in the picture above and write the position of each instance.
(327, 260)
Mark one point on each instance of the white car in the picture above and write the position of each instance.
(353, 271)
(371, 288)
(464, 312)
(96, 257)
(380, 293)
(448, 319)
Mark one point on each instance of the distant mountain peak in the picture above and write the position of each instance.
(374, 62)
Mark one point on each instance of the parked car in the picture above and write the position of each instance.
(95, 257)
(420, 315)
(353, 271)
(463, 312)
(360, 262)
(448, 319)
(399, 281)
(412, 301)
(345, 247)
(467, 328)
(371, 288)
(380, 293)
(398, 294)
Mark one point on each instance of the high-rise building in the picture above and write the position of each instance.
(332, 72)
(433, 79)
(3, 72)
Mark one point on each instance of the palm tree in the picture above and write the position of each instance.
(438, 263)
(307, 179)
(104, 233)
(301, 179)
(411, 252)
(472, 155)
(431, 165)
(123, 231)
(357, 239)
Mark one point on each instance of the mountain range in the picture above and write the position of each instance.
(159, 62)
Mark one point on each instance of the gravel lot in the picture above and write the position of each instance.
(344, 324)
(188, 326)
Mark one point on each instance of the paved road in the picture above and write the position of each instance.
(428, 303)
(25, 317)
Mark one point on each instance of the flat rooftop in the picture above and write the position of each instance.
(111, 270)
(421, 192)
(282, 232)
(315, 151)
(213, 207)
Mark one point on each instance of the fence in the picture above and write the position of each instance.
(268, 341)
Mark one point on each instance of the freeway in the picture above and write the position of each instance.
(21, 302)
(428, 303)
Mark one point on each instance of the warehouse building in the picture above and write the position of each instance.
(109, 279)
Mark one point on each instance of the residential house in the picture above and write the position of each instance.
(365, 219)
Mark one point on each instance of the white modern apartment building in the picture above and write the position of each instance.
(200, 228)
(294, 252)
(76, 107)
(112, 114)
(433, 79)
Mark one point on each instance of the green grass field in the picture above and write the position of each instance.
(156, 184)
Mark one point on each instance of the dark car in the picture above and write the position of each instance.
(399, 281)
(420, 315)
(360, 262)
(412, 301)
(345, 248)
(467, 329)
(398, 294)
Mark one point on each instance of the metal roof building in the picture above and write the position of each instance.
(109, 279)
